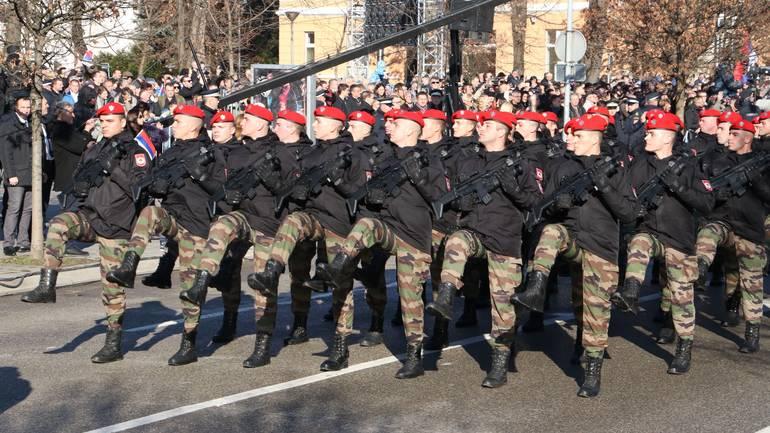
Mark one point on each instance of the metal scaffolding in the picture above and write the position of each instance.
(357, 67)
(432, 46)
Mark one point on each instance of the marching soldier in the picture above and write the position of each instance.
(493, 231)
(401, 228)
(737, 224)
(105, 216)
(589, 235)
(183, 214)
(667, 229)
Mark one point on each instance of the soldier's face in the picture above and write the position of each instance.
(404, 132)
(723, 133)
(526, 127)
(658, 140)
(326, 128)
(765, 127)
(359, 130)
(463, 127)
(286, 130)
(432, 128)
(708, 125)
(389, 126)
(253, 126)
(587, 142)
(569, 142)
(738, 140)
(222, 132)
(491, 131)
(112, 124)
(186, 127)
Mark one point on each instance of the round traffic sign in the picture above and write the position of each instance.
(577, 48)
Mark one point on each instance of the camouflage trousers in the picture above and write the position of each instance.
(412, 268)
(70, 226)
(297, 237)
(681, 271)
(437, 246)
(599, 282)
(504, 277)
(750, 259)
(154, 220)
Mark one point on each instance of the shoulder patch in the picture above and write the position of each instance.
(707, 185)
(140, 160)
(539, 174)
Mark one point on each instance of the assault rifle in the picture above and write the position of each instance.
(577, 185)
(650, 193)
(244, 180)
(173, 171)
(91, 174)
(312, 179)
(482, 184)
(738, 177)
(387, 180)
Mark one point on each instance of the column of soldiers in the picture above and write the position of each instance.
(498, 193)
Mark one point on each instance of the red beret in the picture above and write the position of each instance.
(292, 116)
(222, 117)
(590, 123)
(764, 116)
(531, 115)
(663, 120)
(414, 116)
(362, 116)
(710, 113)
(330, 112)
(604, 111)
(111, 108)
(259, 111)
(465, 114)
(730, 117)
(391, 114)
(504, 117)
(550, 116)
(434, 114)
(570, 126)
(743, 125)
(189, 110)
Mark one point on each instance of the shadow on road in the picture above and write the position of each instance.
(15, 388)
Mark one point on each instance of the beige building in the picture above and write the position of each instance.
(327, 27)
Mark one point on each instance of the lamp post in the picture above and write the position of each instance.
(292, 15)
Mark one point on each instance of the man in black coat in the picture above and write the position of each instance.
(16, 147)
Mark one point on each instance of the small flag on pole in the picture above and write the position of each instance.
(145, 142)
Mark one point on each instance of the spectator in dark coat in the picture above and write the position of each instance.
(69, 143)
(16, 148)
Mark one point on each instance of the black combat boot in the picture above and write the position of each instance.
(498, 374)
(266, 282)
(197, 293)
(316, 284)
(374, 336)
(413, 365)
(751, 343)
(298, 330)
(534, 322)
(186, 353)
(111, 350)
(592, 377)
(440, 337)
(338, 273)
(732, 318)
(125, 274)
(627, 298)
(338, 357)
(442, 304)
(46, 289)
(703, 270)
(681, 362)
(667, 333)
(577, 350)
(468, 318)
(226, 332)
(161, 278)
(533, 297)
(261, 354)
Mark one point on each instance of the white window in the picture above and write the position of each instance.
(550, 49)
(309, 47)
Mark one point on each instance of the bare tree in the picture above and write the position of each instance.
(518, 32)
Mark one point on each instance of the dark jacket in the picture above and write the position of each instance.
(16, 148)
(376, 153)
(188, 204)
(408, 211)
(594, 224)
(110, 208)
(329, 205)
(674, 220)
(298, 152)
(499, 223)
(69, 144)
(744, 214)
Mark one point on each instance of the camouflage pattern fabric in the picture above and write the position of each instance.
(504, 278)
(412, 268)
(681, 271)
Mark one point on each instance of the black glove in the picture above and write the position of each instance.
(563, 201)
(195, 170)
(671, 180)
(300, 192)
(159, 188)
(414, 171)
(106, 163)
(376, 196)
(466, 203)
(268, 174)
(233, 197)
(723, 194)
(600, 175)
(343, 162)
(508, 181)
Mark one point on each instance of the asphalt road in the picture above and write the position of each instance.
(48, 384)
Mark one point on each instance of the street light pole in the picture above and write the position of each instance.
(291, 15)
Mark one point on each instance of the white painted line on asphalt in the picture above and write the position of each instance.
(257, 392)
